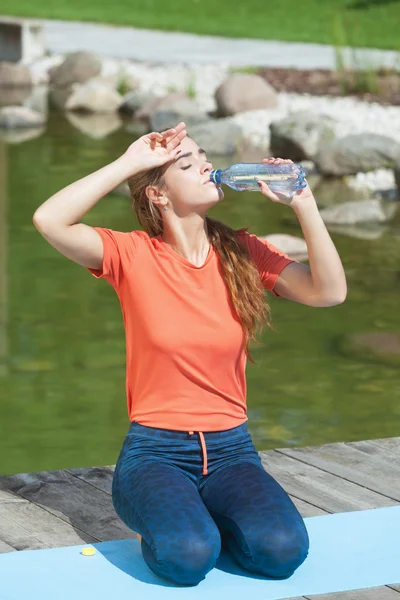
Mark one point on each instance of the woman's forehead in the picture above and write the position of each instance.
(188, 144)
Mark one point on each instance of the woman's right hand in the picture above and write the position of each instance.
(155, 149)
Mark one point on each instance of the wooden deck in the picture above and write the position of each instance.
(73, 507)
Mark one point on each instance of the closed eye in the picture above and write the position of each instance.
(188, 166)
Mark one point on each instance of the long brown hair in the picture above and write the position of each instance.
(241, 275)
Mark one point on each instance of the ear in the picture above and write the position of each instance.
(154, 194)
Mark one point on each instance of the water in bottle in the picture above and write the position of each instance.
(285, 178)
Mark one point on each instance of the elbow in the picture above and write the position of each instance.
(336, 301)
(38, 221)
(341, 297)
(332, 300)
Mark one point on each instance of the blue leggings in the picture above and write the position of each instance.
(185, 516)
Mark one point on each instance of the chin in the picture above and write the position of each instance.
(218, 192)
(218, 196)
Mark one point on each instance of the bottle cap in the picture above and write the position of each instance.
(214, 176)
(88, 551)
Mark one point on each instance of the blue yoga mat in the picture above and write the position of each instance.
(348, 551)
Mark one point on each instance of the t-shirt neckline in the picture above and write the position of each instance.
(181, 258)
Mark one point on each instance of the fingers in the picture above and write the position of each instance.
(175, 134)
(168, 139)
(273, 160)
(174, 131)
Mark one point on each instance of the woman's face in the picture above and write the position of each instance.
(187, 180)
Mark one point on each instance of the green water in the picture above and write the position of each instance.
(62, 346)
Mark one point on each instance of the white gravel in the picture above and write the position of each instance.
(351, 115)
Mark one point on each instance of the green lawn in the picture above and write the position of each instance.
(364, 23)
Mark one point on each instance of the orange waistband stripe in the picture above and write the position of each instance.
(204, 448)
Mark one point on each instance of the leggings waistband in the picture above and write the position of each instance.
(156, 432)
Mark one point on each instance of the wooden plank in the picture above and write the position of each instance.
(388, 454)
(17, 537)
(392, 444)
(4, 547)
(306, 509)
(373, 472)
(6, 496)
(320, 488)
(99, 477)
(72, 500)
(375, 593)
(395, 586)
(39, 525)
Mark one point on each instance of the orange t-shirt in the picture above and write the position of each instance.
(185, 362)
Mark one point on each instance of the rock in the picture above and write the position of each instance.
(370, 232)
(136, 128)
(299, 135)
(242, 92)
(378, 346)
(96, 125)
(109, 81)
(357, 153)
(135, 100)
(15, 84)
(94, 98)
(362, 211)
(40, 69)
(78, 67)
(58, 96)
(14, 96)
(218, 137)
(185, 110)
(178, 102)
(389, 195)
(14, 75)
(18, 136)
(13, 117)
(334, 191)
(295, 247)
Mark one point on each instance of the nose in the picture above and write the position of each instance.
(206, 167)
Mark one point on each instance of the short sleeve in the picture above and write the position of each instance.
(118, 248)
(269, 260)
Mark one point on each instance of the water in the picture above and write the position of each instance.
(62, 347)
(285, 179)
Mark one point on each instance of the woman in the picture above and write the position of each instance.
(188, 478)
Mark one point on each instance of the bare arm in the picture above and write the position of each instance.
(57, 218)
(323, 283)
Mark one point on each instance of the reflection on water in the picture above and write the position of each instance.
(62, 347)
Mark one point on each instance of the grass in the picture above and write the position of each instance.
(371, 23)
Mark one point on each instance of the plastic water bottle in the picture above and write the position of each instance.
(284, 179)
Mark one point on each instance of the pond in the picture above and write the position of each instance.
(62, 345)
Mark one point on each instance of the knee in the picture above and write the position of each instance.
(281, 553)
(191, 560)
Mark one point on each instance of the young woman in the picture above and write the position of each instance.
(192, 292)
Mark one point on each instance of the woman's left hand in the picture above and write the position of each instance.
(282, 198)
